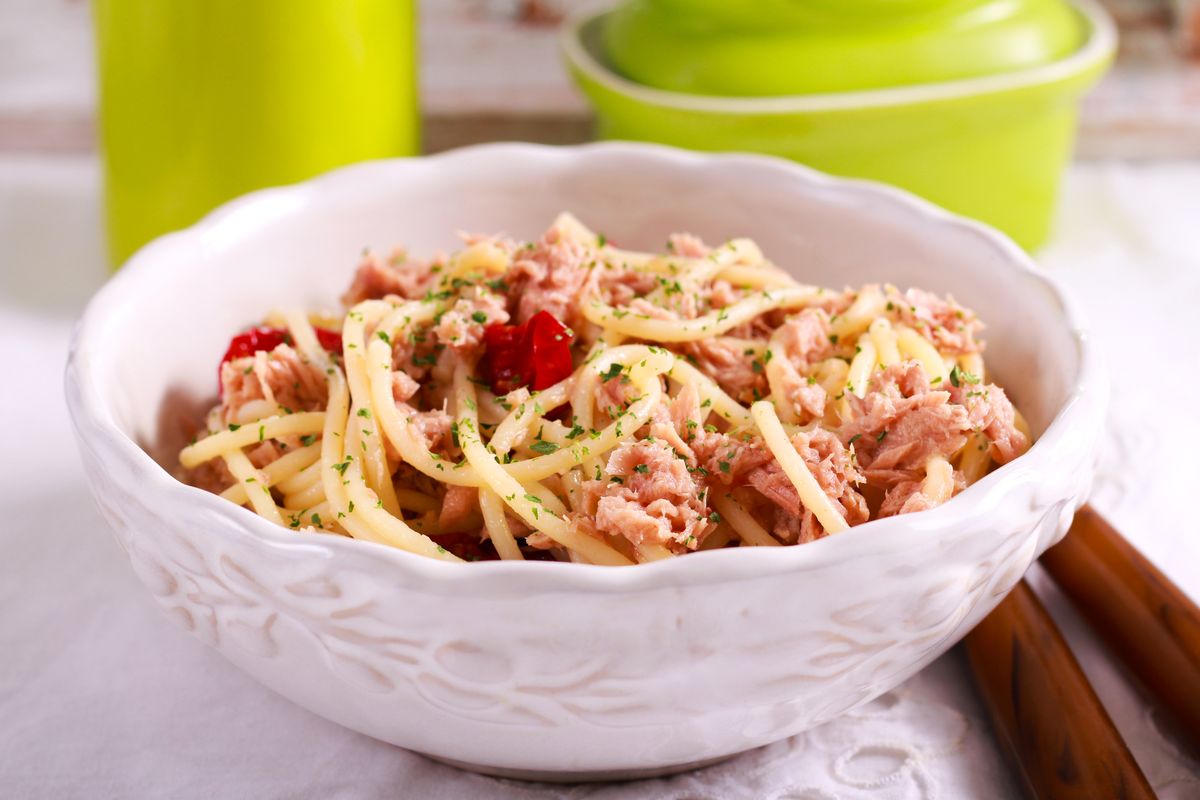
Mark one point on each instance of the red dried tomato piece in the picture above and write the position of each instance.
(247, 343)
(536, 353)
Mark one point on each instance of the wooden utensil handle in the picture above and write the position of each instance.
(1148, 622)
(1045, 713)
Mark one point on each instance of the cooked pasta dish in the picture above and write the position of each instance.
(567, 399)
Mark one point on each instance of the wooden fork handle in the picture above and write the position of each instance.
(1147, 621)
(1044, 711)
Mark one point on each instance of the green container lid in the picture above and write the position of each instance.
(790, 47)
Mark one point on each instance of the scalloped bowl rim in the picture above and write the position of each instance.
(94, 421)
(1099, 46)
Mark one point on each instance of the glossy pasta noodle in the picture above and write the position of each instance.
(565, 399)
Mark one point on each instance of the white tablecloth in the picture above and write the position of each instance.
(100, 696)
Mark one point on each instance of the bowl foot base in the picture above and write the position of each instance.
(583, 776)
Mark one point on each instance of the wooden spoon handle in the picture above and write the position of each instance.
(1147, 621)
(1044, 711)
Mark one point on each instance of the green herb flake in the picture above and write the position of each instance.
(959, 376)
(613, 371)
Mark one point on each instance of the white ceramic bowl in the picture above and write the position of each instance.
(562, 670)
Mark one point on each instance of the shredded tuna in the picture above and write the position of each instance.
(265, 453)
(809, 400)
(724, 359)
(907, 496)
(415, 353)
(459, 506)
(645, 308)
(990, 411)
(805, 338)
(461, 327)
(433, 429)
(729, 459)
(832, 466)
(403, 387)
(834, 303)
(723, 294)
(951, 327)
(550, 277)
(281, 377)
(900, 422)
(804, 341)
(653, 500)
(687, 245)
(211, 476)
(621, 286)
(672, 421)
(375, 279)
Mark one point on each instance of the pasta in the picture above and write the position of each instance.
(566, 399)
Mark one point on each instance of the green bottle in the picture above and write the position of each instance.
(204, 100)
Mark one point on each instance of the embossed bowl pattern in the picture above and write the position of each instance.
(569, 671)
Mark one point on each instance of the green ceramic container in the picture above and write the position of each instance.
(774, 47)
(991, 147)
(205, 100)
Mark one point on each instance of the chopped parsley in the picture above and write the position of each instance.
(543, 447)
(613, 371)
(642, 468)
(308, 439)
(959, 376)
(479, 317)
